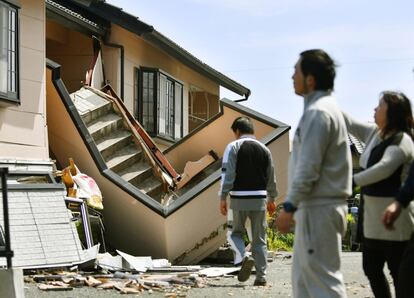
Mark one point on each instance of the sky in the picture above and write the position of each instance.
(257, 43)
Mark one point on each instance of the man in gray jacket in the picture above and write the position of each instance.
(319, 182)
(248, 176)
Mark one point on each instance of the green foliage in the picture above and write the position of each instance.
(279, 242)
(96, 236)
(346, 240)
(276, 241)
(356, 190)
(349, 220)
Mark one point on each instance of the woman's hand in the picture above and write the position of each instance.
(391, 214)
(284, 222)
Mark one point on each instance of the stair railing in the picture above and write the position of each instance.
(160, 165)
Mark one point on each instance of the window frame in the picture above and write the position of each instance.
(139, 95)
(12, 97)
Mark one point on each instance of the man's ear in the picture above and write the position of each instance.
(237, 133)
(310, 82)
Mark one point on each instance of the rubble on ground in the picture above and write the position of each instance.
(175, 283)
(128, 274)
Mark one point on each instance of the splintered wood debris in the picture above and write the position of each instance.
(162, 279)
(129, 274)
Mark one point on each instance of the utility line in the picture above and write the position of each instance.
(269, 68)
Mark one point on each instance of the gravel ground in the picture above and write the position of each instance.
(278, 277)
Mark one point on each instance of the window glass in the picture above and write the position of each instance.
(178, 110)
(12, 52)
(160, 104)
(8, 51)
(147, 113)
(3, 47)
(170, 110)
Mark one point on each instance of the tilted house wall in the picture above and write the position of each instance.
(23, 131)
(42, 231)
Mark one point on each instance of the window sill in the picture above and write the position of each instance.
(166, 138)
(15, 3)
(7, 102)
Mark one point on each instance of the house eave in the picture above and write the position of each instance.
(133, 24)
(162, 42)
(64, 16)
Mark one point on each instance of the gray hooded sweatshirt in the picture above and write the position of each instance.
(320, 165)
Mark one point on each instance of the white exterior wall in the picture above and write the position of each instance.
(23, 130)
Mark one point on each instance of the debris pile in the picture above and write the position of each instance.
(129, 275)
(176, 284)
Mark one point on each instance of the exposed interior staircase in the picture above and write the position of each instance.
(114, 140)
(123, 152)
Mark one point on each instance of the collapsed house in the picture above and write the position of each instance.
(88, 81)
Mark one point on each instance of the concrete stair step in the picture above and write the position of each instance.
(115, 143)
(136, 173)
(124, 158)
(89, 105)
(150, 186)
(97, 113)
(157, 193)
(110, 144)
(104, 125)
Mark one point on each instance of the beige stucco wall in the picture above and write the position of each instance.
(140, 53)
(112, 67)
(195, 231)
(280, 153)
(72, 50)
(23, 132)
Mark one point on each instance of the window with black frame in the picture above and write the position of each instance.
(159, 102)
(9, 76)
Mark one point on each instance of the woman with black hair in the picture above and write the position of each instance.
(387, 157)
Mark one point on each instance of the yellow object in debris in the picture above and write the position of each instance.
(95, 202)
(80, 185)
(72, 167)
(72, 192)
(67, 178)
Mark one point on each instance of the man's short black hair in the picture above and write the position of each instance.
(318, 64)
(243, 124)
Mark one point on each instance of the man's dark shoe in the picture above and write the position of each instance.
(260, 283)
(246, 269)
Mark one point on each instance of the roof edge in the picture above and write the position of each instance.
(158, 39)
(254, 114)
(133, 24)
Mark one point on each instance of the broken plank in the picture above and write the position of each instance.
(46, 287)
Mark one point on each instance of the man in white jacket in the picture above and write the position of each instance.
(248, 177)
(319, 182)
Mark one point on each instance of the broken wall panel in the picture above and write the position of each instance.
(42, 231)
